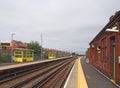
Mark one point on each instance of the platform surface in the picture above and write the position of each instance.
(94, 78)
(9, 65)
(77, 78)
(72, 78)
(83, 75)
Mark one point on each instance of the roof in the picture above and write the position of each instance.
(23, 49)
(112, 20)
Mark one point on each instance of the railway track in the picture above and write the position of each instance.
(59, 79)
(42, 77)
(9, 74)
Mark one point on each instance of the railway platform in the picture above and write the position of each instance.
(83, 75)
(76, 78)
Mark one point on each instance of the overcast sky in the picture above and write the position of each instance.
(65, 24)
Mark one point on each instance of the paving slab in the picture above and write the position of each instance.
(94, 78)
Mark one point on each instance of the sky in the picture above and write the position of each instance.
(68, 25)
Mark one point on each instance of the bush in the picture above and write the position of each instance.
(5, 57)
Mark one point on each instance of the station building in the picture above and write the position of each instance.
(104, 50)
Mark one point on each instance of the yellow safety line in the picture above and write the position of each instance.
(114, 65)
(114, 79)
(81, 78)
(78, 73)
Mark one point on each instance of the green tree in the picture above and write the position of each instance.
(73, 53)
(34, 45)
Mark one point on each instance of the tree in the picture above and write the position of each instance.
(34, 45)
(73, 53)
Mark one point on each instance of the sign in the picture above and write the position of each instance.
(119, 59)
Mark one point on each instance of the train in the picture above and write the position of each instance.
(21, 55)
(51, 56)
(27, 55)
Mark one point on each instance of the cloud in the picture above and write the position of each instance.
(65, 24)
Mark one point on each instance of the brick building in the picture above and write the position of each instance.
(57, 53)
(6, 46)
(104, 51)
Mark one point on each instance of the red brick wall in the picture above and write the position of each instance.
(117, 55)
(98, 58)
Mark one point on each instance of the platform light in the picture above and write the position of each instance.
(114, 29)
(93, 46)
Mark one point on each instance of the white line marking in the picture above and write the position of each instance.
(69, 75)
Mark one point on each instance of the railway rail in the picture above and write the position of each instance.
(38, 76)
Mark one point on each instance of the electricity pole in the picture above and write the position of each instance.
(41, 47)
(12, 46)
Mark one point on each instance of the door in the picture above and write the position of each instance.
(112, 41)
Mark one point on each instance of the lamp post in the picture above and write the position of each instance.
(12, 46)
(41, 46)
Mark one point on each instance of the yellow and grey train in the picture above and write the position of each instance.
(51, 56)
(20, 55)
